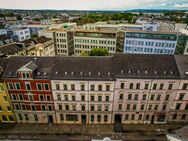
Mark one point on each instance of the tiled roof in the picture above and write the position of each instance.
(10, 49)
(135, 66)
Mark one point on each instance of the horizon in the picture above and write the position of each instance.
(96, 5)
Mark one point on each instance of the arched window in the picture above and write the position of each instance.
(121, 97)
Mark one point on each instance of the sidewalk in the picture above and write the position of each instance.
(99, 129)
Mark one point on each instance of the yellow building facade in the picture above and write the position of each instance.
(6, 110)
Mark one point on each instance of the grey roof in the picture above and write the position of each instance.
(10, 49)
(99, 68)
(182, 132)
(145, 66)
(182, 63)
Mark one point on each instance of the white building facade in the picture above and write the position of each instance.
(23, 34)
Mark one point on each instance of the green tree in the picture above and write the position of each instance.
(99, 52)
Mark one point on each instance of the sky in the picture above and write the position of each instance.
(94, 4)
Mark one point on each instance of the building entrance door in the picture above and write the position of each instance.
(83, 119)
(50, 119)
(117, 118)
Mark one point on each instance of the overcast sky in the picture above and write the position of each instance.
(94, 4)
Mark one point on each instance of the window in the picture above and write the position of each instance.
(64, 86)
(147, 117)
(27, 85)
(20, 117)
(134, 107)
(181, 96)
(73, 97)
(67, 107)
(39, 86)
(140, 117)
(142, 107)
(164, 107)
(83, 108)
(21, 97)
(61, 117)
(154, 86)
(26, 117)
(129, 96)
(82, 87)
(99, 108)
(48, 98)
(5, 98)
(107, 98)
(83, 97)
(150, 107)
(92, 118)
(178, 105)
(105, 118)
(156, 107)
(128, 106)
(36, 117)
(99, 87)
(131, 86)
(136, 97)
(46, 86)
(174, 116)
(25, 75)
(66, 97)
(98, 118)
(146, 86)
(106, 108)
(8, 108)
(144, 97)
(58, 97)
(17, 86)
(132, 117)
(99, 98)
(107, 87)
(72, 87)
(10, 118)
(71, 117)
(138, 86)
(120, 107)
(92, 98)
(74, 107)
(161, 86)
(170, 86)
(185, 86)
(126, 117)
(57, 86)
(60, 107)
(10, 86)
(30, 97)
(92, 108)
(152, 97)
(167, 97)
(49, 107)
(122, 85)
(0, 108)
(92, 87)
(4, 118)
(2, 88)
(158, 97)
(43, 108)
(183, 117)
(13, 97)
(33, 108)
(121, 97)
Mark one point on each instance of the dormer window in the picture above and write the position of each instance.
(25, 75)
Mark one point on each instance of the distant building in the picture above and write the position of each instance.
(22, 33)
(150, 42)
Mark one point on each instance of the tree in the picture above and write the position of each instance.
(99, 52)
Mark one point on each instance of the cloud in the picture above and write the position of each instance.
(92, 4)
(184, 5)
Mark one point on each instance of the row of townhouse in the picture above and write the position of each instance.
(78, 41)
(95, 90)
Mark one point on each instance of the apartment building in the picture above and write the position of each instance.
(30, 90)
(142, 42)
(83, 93)
(22, 33)
(86, 40)
(124, 88)
(6, 111)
